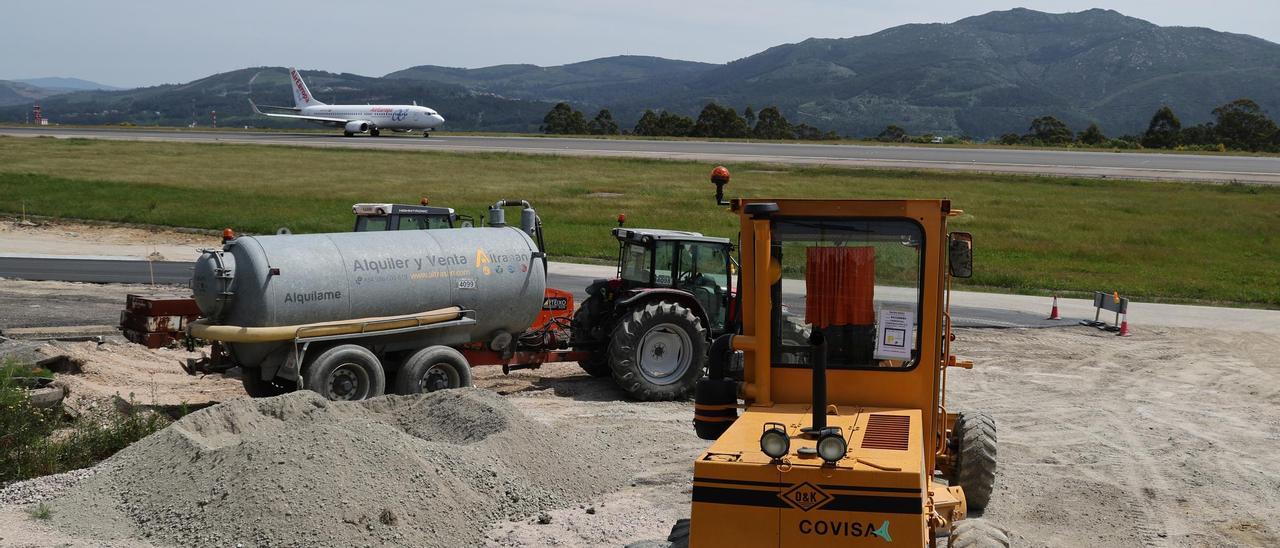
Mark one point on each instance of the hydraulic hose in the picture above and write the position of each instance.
(201, 329)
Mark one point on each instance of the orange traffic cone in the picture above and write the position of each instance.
(1124, 326)
(1053, 314)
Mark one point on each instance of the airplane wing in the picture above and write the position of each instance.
(256, 110)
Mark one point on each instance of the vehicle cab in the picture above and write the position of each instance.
(371, 217)
(679, 260)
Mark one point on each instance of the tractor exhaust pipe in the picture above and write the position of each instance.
(818, 362)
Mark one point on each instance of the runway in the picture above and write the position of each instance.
(1123, 165)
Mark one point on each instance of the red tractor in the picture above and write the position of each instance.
(650, 326)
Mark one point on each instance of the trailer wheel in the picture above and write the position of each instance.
(658, 352)
(597, 363)
(255, 387)
(975, 468)
(433, 368)
(345, 372)
(977, 533)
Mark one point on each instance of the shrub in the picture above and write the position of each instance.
(29, 447)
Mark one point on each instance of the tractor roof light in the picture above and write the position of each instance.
(774, 441)
(831, 445)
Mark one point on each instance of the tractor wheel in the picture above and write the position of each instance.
(433, 368)
(255, 387)
(975, 467)
(658, 352)
(345, 372)
(977, 533)
(597, 364)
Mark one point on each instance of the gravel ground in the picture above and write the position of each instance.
(1166, 439)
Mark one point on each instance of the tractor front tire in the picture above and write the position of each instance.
(658, 351)
(597, 362)
(975, 467)
(977, 533)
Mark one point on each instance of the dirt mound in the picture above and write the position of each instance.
(298, 470)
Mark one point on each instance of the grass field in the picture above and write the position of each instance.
(1154, 241)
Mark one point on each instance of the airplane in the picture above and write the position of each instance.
(355, 119)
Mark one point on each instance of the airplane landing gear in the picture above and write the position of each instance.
(426, 134)
(374, 133)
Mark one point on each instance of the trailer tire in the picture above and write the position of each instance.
(345, 372)
(255, 387)
(433, 368)
(977, 533)
(597, 362)
(975, 467)
(639, 352)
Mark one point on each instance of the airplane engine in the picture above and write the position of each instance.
(357, 126)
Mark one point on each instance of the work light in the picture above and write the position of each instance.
(831, 445)
(774, 441)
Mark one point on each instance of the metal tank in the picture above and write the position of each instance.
(260, 281)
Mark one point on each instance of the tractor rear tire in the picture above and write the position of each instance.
(975, 467)
(345, 372)
(255, 387)
(597, 363)
(658, 352)
(433, 368)
(977, 533)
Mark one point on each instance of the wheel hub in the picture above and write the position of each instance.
(665, 354)
(347, 383)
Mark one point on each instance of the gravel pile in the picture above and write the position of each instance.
(298, 470)
(42, 488)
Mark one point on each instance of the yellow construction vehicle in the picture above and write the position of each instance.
(840, 361)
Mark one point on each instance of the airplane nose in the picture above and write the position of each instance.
(438, 119)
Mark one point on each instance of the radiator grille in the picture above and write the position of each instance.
(891, 432)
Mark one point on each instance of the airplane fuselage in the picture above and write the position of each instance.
(394, 117)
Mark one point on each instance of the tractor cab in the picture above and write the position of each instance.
(682, 261)
(378, 217)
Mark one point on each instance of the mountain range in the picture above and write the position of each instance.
(982, 76)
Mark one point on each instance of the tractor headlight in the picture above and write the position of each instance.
(831, 445)
(774, 441)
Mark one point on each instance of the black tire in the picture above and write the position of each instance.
(597, 364)
(638, 353)
(255, 387)
(426, 134)
(975, 467)
(977, 533)
(433, 368)
(345, 372)
(374, 133)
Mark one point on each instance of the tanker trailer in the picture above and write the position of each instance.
(344, 314)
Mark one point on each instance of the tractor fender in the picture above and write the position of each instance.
(683, 298)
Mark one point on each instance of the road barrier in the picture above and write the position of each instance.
(1111, 303)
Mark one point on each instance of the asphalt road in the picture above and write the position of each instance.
(1183, 167)
(574, 278)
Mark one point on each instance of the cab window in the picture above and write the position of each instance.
(859, 282)
(370, 224)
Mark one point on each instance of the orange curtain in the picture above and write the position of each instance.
(840, 286)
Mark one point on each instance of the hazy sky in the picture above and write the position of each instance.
(148, 42)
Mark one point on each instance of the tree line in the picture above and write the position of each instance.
(1238, 125)
(714, 121)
